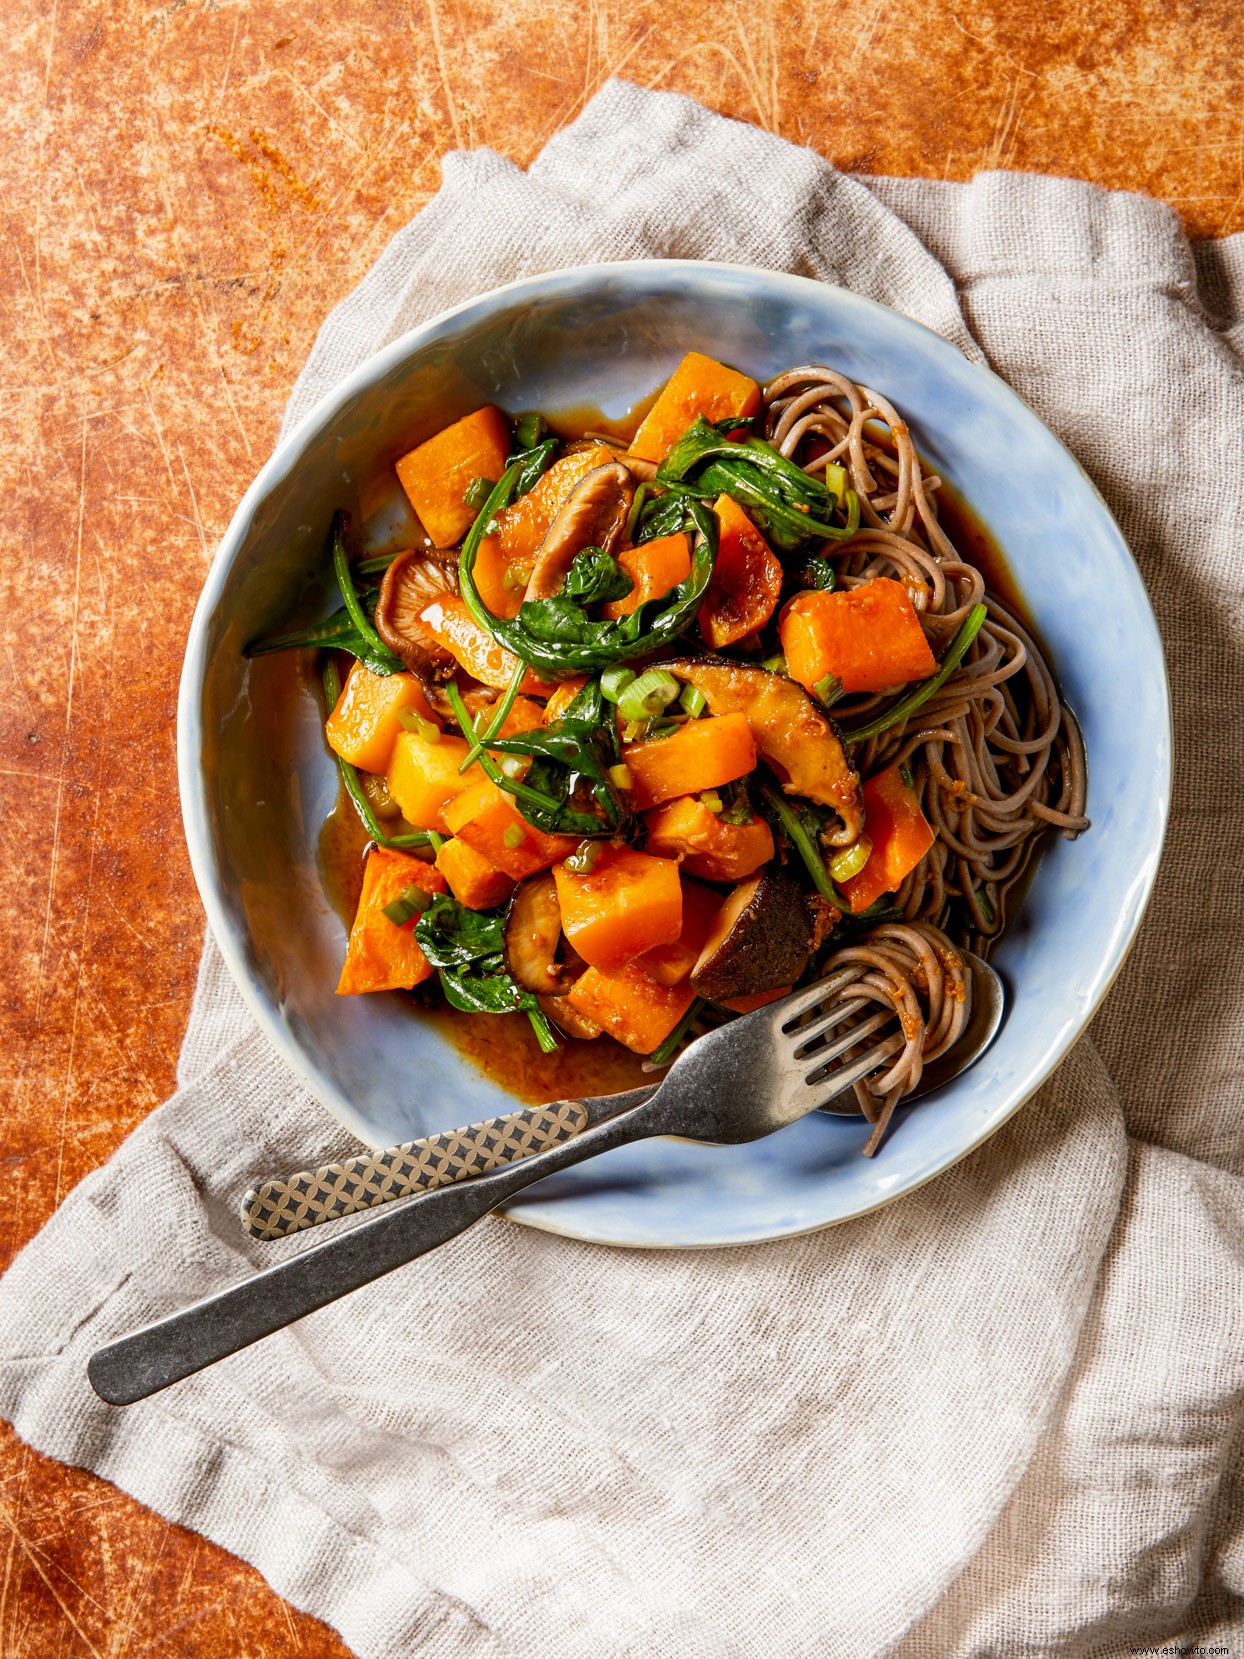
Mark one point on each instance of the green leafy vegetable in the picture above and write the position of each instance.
(466, 947)
(532, 464)
(558, 637)
(920, 694)
(567, 789)
(595, 575)
(375, 653)
(790, 505)
(800, 823)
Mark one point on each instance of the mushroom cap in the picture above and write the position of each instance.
(796, 739)
(594, 514)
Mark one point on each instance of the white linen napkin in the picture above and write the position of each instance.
(999, 1417)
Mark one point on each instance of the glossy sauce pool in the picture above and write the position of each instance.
(503, 1046)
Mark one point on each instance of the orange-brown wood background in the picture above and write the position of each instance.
(187, 188)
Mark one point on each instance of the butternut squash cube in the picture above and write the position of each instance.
(487, 819)
(381, 956)
(439, 472)
(630, 1005)
(365, 724)
(627, 903)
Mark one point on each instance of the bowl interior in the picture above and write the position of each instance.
(257, 781)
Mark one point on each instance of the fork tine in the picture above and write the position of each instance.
(818, 1026)
(825, 1056)
(794, 1007)
(843, 1077)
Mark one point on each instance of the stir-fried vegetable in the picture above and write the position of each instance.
(606, 712)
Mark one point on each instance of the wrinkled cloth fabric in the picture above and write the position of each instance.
(999, 1417)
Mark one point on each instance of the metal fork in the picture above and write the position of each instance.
(735, 1084)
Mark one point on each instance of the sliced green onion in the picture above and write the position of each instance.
(776, 664)
(493, 726)
(828, 689)
(513, 836)
(516, 578)
(582, 860)
(908, 776)
(528, 430)
(543, 1030)
(912, 701)
(632, 730)
(478, 491)
(987, 910)
(803, 845)
(621, 777)
(614, 681)
(411, 901)
(512, 766)
(693, 700)
(649, 695)
(410, 720)
(851, 860)
(435, 841)
(349, 776)
(712, 800)
(663, 1053)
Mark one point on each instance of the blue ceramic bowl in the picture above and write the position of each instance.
(256, 781)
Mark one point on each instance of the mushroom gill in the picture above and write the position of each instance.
(412, 582)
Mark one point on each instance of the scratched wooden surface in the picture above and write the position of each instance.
(188, 188)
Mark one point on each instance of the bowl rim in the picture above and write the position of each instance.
(283, 460)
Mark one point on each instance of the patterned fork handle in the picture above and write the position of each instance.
(290, 1203)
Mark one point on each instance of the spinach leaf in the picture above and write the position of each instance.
(557, 636)
(595, 575)
(790, 506)
(532, 464)
(567, 789)
(349, 629)
(467, 949)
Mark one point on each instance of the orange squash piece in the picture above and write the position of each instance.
(627, 903)
(900, 834)
(672, 964)
(746, 582)
(423, 777)
(630, 1005)
(685, 829)
(698, 386)
(380, 955)
(700, 755)
(562, 698)
(453, 627)
(869, 637)
(365, 724)
(524, 716)
(522, 526)
(654, 567)
(439, 472)
(484, 815)
(473, 881)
